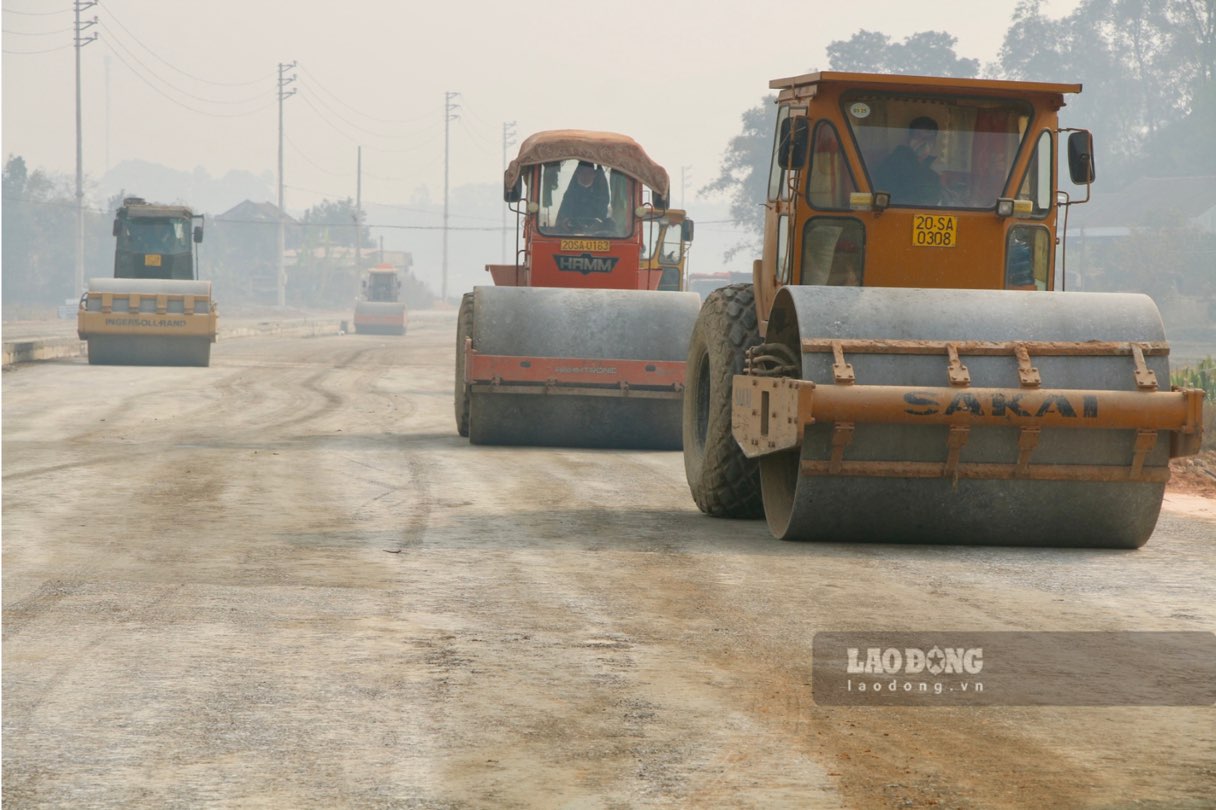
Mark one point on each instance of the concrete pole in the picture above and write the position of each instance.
(281, 270)
(450, 114)
(508, 139)
(359, 209)
(80, 42)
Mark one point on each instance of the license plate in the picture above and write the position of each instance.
(594, 245)
(934, 231)
(152, 260)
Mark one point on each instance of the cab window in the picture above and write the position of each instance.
(778, 188)
(833, 251)
(1027, 257)
(1037, 184)
(937, 152)
(146, 235)
(581, 198)
(830, 182)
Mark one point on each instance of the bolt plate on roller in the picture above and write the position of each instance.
(764, 414)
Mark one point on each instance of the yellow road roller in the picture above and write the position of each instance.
(154, 311)
(905, 366)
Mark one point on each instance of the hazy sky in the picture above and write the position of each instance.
(193, 84)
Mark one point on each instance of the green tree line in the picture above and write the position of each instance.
(238, 256)
(1148, 70)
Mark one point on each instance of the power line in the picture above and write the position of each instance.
(170, 85)
(355, 110)
(477, 139)
(119, 23)
(35, 13)
(345, 120)
(328, 116)
(44, 50)
(184, 106)
(309, 160)
(348, 224)
(38, 33)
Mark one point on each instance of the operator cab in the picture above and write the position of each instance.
(944, 152)
(154, 241)
(581, 198)
(154, 235)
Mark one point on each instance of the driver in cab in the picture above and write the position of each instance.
(908, 171)
(585, 204)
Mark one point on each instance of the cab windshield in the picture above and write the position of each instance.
(147, 235)
(580, 198)
(937, 152)
(663, 242)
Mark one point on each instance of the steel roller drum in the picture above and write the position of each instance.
(380, 317)
(587, 324)
(136, 349)
(852, 508)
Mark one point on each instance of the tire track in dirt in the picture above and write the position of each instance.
(885, 757)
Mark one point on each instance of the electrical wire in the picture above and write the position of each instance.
(133, 56)
(45, 50)
(179, 103)
(264, 79)
(37, 33)
(337, 98)
(36, 13)
(305, 90)
(478, 141)
(309, 160)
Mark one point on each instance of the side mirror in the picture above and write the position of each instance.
(794, 137)
(659, 201)
(1081, 157)
(198, 233)
(686, 230)
(515, 193)
(117, 227)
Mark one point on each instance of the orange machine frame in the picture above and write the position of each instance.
(890, 260)
(591, 262)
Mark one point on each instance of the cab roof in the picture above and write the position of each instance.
(155, 210)
(609, 149)
(806, 85)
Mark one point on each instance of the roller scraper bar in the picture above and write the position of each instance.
(771, 414)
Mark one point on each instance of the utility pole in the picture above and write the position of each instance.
(684, 173)
(359, 209)
(508, 140)
(80, 42)
(106, 60)
(284, 94)
(450, 114)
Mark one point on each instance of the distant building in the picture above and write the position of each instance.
(244, 243)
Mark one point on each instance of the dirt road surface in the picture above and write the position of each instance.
(284, 581)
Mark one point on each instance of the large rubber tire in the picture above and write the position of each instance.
(464, 329)
(723, 481)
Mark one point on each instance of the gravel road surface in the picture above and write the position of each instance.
(284, 581)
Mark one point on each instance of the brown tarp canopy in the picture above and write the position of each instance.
(610, 149)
